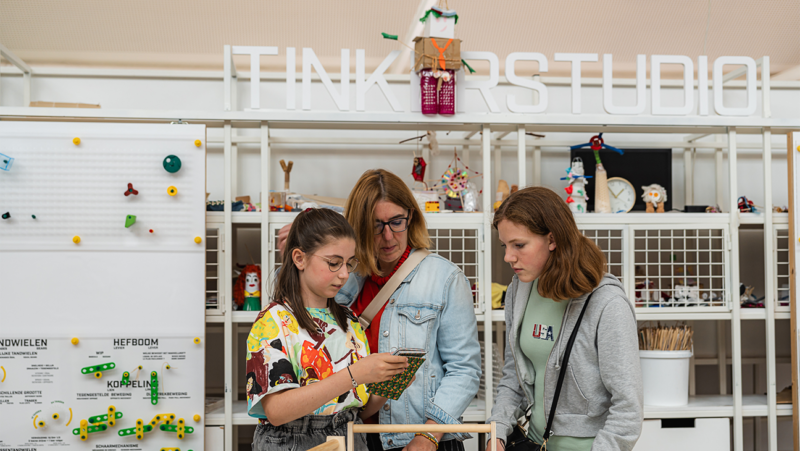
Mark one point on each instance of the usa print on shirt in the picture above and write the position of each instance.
(543, 332)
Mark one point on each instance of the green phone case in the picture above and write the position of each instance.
(394, 387)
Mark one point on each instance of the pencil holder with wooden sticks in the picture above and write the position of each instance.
(664, 353)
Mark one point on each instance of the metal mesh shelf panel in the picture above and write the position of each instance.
(460, 245)
(213, 260)
(681, 267)
(781, 268)
(612, 241)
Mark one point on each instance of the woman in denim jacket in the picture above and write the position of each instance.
(432, 309)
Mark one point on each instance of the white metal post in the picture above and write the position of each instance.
(722, 357)
(486, 288)
(228, 275)
(765, 103)
(266, 242)
(769, 291)
(227, 64)
(521, 155)
(537, 166)
(736, 324)
(720, 186)
(688, 178)
(498, 173)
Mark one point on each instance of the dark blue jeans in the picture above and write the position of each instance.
(307, 432)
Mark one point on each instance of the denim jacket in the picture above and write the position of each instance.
(432, 309)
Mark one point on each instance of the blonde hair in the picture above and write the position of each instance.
(374, 186)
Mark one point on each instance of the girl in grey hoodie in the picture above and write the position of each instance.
(556, 269)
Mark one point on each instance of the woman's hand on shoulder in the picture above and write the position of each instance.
(282, 235)
(378, 368)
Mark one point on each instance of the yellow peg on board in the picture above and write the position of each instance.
(198, 143)
(76, 239)
(798, 148)
(198, 240)
(196, 340)
(76, 141)
(196, 418)
(74, 341)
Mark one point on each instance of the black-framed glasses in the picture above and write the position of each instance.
(335, 265)
(396, 225)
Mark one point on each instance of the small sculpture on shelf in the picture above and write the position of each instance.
(576, 191)
(602, 201)
(747, 206)
(747, 299)
(685, 296)
(247, 290)
(418, 170)
(654, 197)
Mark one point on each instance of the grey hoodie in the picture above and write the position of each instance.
(602, 392)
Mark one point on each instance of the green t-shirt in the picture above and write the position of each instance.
(540, 327)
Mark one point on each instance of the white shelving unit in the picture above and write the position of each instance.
(624, 238)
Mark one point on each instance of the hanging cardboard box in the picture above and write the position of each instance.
(433, 52)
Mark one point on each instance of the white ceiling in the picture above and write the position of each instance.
(190, 34)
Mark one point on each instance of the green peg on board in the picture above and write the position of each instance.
(153, 388)
(126, 378)
(97, 369)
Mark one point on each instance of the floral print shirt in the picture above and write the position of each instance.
(281, 356)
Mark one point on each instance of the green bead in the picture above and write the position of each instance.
(172, 164)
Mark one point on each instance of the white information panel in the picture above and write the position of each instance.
(102, 314)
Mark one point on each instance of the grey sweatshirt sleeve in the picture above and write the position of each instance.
(621, 373)
(505, 410)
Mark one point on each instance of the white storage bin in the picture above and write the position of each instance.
(665, 375)
(685, 434)
(215, 438)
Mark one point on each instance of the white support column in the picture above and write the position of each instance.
(688, 176)
(26, 89)
(722, 357)
(497, 170)
(521, 156)
(720, 186)
(736, 323)
(227, 64)
(770, 291)
(486, 287)
(692, 383)
(228, 297)
(266, 242)
(765, 102)
(537, 166)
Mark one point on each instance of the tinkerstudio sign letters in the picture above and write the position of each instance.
(341, 96)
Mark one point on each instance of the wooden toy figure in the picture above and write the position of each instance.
(654, 197)
(437, 58)
(247, 291)
(577, 197)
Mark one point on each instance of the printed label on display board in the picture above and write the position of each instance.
(49, 386)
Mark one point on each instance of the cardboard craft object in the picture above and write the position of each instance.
(426, 54)
(440, 27)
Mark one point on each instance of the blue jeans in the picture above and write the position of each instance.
(307, 432)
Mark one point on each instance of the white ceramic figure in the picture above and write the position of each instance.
(577, 197)
(654, 197)
(685, 296)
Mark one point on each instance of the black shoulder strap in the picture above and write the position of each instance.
(548, 431)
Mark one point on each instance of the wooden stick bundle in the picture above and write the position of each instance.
(666, 338)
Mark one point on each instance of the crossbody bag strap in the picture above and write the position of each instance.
(380, 299)
(564, 361)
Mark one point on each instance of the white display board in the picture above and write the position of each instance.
(119, 301)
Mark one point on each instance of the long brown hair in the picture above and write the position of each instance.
(311, 230)
(374, 186)
(576, 265)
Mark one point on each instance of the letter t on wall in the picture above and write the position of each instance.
(576, 59)
(255, 69)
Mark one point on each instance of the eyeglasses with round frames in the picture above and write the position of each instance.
(396, 225)
(352, 264)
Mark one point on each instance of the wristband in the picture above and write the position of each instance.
(355, 384)
(430, 437)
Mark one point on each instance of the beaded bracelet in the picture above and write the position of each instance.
(430, 437)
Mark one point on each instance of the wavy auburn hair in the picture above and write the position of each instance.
(576, 265)
(374, 186)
